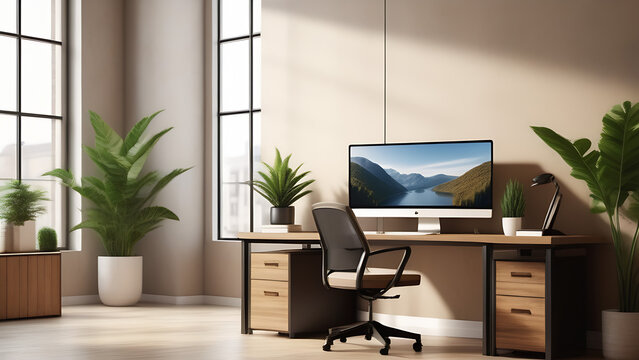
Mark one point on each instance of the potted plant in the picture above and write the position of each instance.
(513, 205)
(19, 207)
(612, 176)
(282, 187)
(47, 239)
(122, 198)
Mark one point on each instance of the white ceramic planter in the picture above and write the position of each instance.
(120, 280)
(18, 238)
(24, 237)
(511, 225)
(619, 335)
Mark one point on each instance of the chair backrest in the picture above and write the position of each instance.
(343, 242)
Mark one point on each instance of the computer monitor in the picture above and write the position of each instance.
(427, 181)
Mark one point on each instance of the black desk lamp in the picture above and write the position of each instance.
(549, 220)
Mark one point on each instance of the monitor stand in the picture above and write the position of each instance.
(424, 226)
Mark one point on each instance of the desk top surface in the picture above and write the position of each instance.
(435, 238)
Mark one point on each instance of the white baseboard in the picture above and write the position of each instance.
(80, 300)
(429, 326)
(222, 300)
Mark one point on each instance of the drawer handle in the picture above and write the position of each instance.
(271, 293)
(521, 311)
(272, 263)
(520, 274)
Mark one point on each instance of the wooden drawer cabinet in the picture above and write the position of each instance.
(287, 294)
(539, 301)
(29, 285)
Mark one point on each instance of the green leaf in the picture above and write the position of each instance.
(136, 132)
(583, 167)
(138, 154)
(105, 137)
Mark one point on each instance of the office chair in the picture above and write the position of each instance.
(345, 255)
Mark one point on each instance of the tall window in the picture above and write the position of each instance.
(239, 116)
(32, 98)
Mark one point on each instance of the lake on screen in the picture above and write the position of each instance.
(420, 197)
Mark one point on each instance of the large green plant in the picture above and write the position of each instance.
(282, 187)
(19, 203)
(122, 212)
(513, 202)
(612, 176)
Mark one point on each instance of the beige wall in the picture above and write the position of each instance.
(96, 82)
(164, 69)
(458, 69)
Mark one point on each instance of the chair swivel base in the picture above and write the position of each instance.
(371, 329)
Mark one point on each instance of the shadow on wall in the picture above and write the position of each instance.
(544, 31)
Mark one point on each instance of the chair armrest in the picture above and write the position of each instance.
(398, 272)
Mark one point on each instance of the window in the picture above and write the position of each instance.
(32, 98)
(239, 115)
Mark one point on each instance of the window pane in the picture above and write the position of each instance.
(41, 78)
(234, 75)
(8, 77)
(7, 147)
(234, 167)
(234, 18)
(41, 148)
(53, 216)
(261, 207)
(257, 73)
(257, 16)
(42, 18)
(8, 15)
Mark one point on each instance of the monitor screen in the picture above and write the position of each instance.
(453, 175)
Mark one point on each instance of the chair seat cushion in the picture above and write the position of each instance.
(374, 278)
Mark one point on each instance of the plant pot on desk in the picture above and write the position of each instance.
(619, 334)
(511, 225)
(282, 215)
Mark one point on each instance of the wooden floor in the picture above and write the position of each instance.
(190, 332)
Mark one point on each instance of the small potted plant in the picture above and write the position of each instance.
(19, 207)
(47, 239)
(123, 211)
(282, 187)
(611, 173)
(513, 205)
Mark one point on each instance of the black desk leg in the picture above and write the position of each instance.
(246, 287)
(488, 341)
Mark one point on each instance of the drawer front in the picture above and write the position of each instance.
(269, 266)
(520, 323)
(521, 272)
(520, 289)
(269, 305)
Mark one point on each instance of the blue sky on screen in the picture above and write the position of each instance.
(427, 159)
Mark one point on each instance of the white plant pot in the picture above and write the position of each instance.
(6, 237)
(120, 280)
(24, 237)
(619, 334)
(511, 225)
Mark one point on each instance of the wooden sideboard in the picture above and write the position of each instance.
(29, 285)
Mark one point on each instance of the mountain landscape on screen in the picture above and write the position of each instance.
(373, 186)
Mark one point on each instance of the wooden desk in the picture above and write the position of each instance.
(545, 248)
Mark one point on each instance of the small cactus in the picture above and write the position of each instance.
(47, 239)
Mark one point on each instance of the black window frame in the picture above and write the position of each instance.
(250, 111)
(19, 114)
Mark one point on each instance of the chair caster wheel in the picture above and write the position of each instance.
(384, 351)
(368, 336)
(326, 347)
(342, 340)
(417, 347)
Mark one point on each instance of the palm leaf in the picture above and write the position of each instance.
(105, 137)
